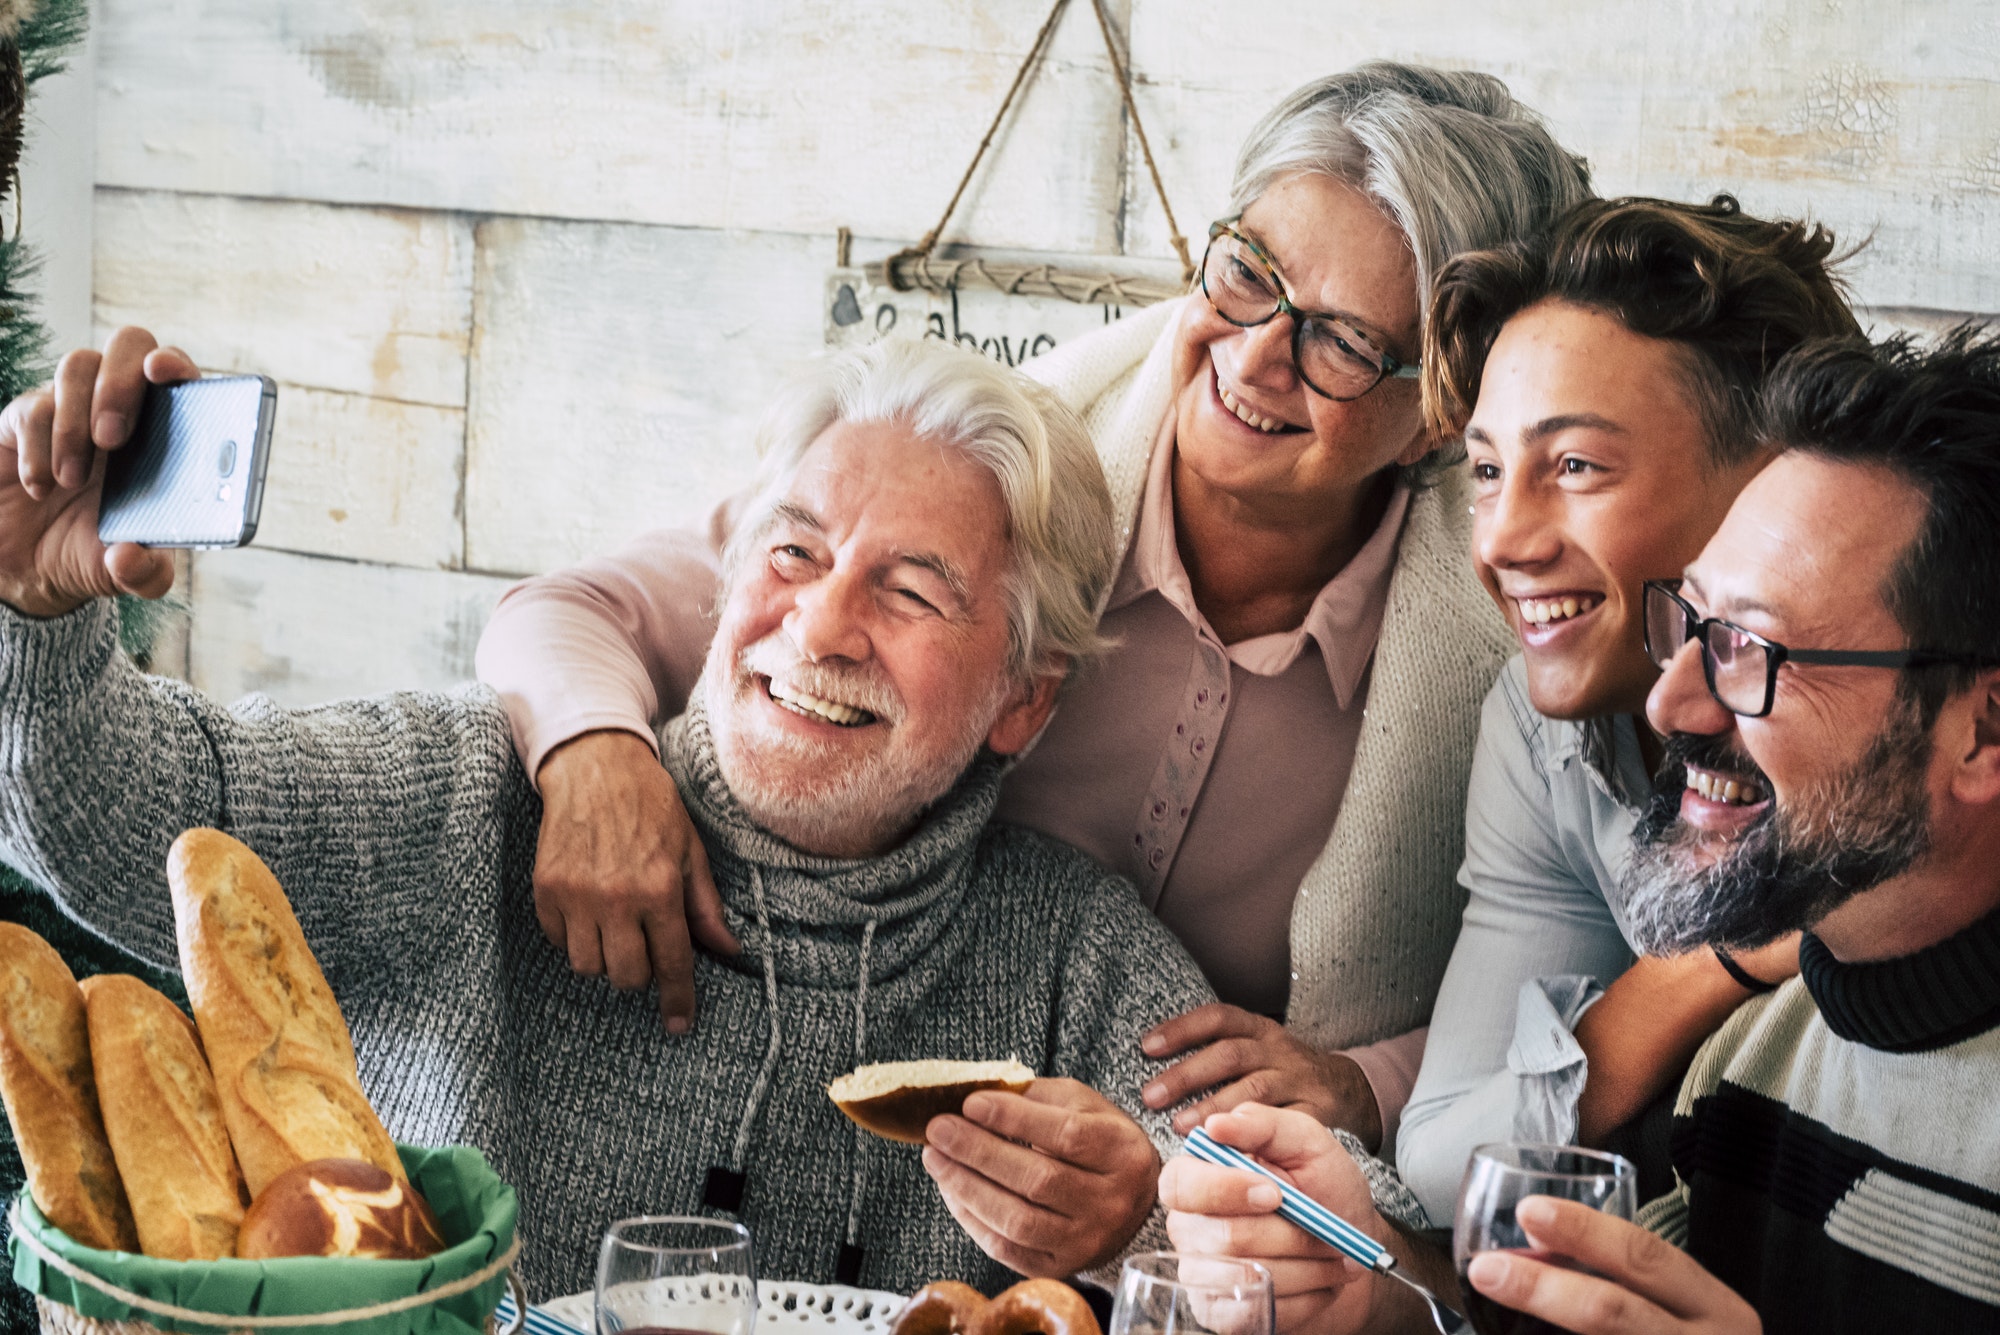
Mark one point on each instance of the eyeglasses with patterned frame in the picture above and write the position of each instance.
(1741, 666)
(1335, 358)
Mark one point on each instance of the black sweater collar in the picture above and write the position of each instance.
(1940, 995)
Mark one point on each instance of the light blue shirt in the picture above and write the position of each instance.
(1549, 816)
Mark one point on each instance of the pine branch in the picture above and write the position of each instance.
(49, 33)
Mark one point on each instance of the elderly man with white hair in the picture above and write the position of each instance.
(919, 571)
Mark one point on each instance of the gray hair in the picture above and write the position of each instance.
(1059, 518)
(1448, 154)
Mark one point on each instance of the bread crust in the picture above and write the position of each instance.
(924, 1089)
(51, 1095)
(280, 1051)
(164, 1122)
(340, 1207)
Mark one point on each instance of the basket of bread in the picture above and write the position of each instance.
(227, 1173)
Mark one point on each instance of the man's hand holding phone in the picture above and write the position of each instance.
(53, 443)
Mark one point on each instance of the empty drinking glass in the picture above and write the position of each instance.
(674, 1275)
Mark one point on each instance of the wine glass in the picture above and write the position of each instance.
(676, 1275)
(1170, 1293)
(1497, 1179)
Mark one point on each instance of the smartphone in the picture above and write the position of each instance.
(193, 473)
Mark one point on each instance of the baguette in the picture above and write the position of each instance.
(51, 1095)
(282, 1057)
(164, 1122)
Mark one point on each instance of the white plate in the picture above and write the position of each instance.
(783, 1308)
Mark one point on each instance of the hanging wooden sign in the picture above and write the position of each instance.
(1010, 309)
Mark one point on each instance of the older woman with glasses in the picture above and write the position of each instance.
(1276, 751)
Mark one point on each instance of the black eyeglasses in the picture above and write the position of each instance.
(1742, 666)
(1335, 358)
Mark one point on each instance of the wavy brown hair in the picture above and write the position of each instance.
(1735, 293)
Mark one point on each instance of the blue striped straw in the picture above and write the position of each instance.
(1298, 1207)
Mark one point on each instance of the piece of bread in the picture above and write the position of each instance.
(51, 1095)
(281, 1054)
(896, 1100)
(339, 1207)
(164, 1122)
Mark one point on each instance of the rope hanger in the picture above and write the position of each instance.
(915, 268)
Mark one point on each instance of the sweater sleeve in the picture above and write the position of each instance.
(613, 643)
(1123, 974)
(362, 808)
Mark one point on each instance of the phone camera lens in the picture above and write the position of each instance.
(225, 458)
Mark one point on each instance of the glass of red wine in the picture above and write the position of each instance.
(676, 1275)
(1497, 1179)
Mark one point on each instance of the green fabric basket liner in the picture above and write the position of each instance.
(470, 1201)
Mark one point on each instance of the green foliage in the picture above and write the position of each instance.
(23, 341)
(55, 27)
(47, 36)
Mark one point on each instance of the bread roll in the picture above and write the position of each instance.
(896, 1100)
(164, 1122)
(339, 1207)
(282, 1058)
(51, 1096)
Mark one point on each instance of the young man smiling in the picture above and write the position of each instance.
(1836, 1149)
(1601, 376)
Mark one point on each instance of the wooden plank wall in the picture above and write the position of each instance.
(526, 273)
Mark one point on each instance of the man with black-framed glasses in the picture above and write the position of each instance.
(1836, 1145)
(1741, 666)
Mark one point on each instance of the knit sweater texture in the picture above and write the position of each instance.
(1378, 910)
(1837, 1145)
(404, 830)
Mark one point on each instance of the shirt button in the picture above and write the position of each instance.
(1200, 699)
(1138, 841)
(1200, 745)
(1222, 699)
(1156, 857)
(1184, 812)
(1180, 729)
(1159, 810)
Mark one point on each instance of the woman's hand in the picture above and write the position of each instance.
(620, 874)
(1216, 1211)
(52, 446)
(1642, 1285)
(1246, 1058)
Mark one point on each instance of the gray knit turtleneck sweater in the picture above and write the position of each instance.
(404, 831)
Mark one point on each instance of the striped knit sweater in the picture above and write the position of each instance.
(1837, 1145)
(403, 829)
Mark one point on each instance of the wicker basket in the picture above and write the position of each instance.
(80, 1290)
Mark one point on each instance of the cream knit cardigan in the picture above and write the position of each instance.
(1378, 911)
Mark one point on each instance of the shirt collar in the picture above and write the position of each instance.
(1608, 747)
(1344, 620)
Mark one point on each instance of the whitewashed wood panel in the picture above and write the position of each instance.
(364, 301)
(771, 114)
(1882, 118)
(365, 478)
(305, 629)
(617, 378)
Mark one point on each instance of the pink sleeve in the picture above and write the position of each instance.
(613, 643)
(1391, 1069)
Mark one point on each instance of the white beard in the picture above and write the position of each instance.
(821, 796)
